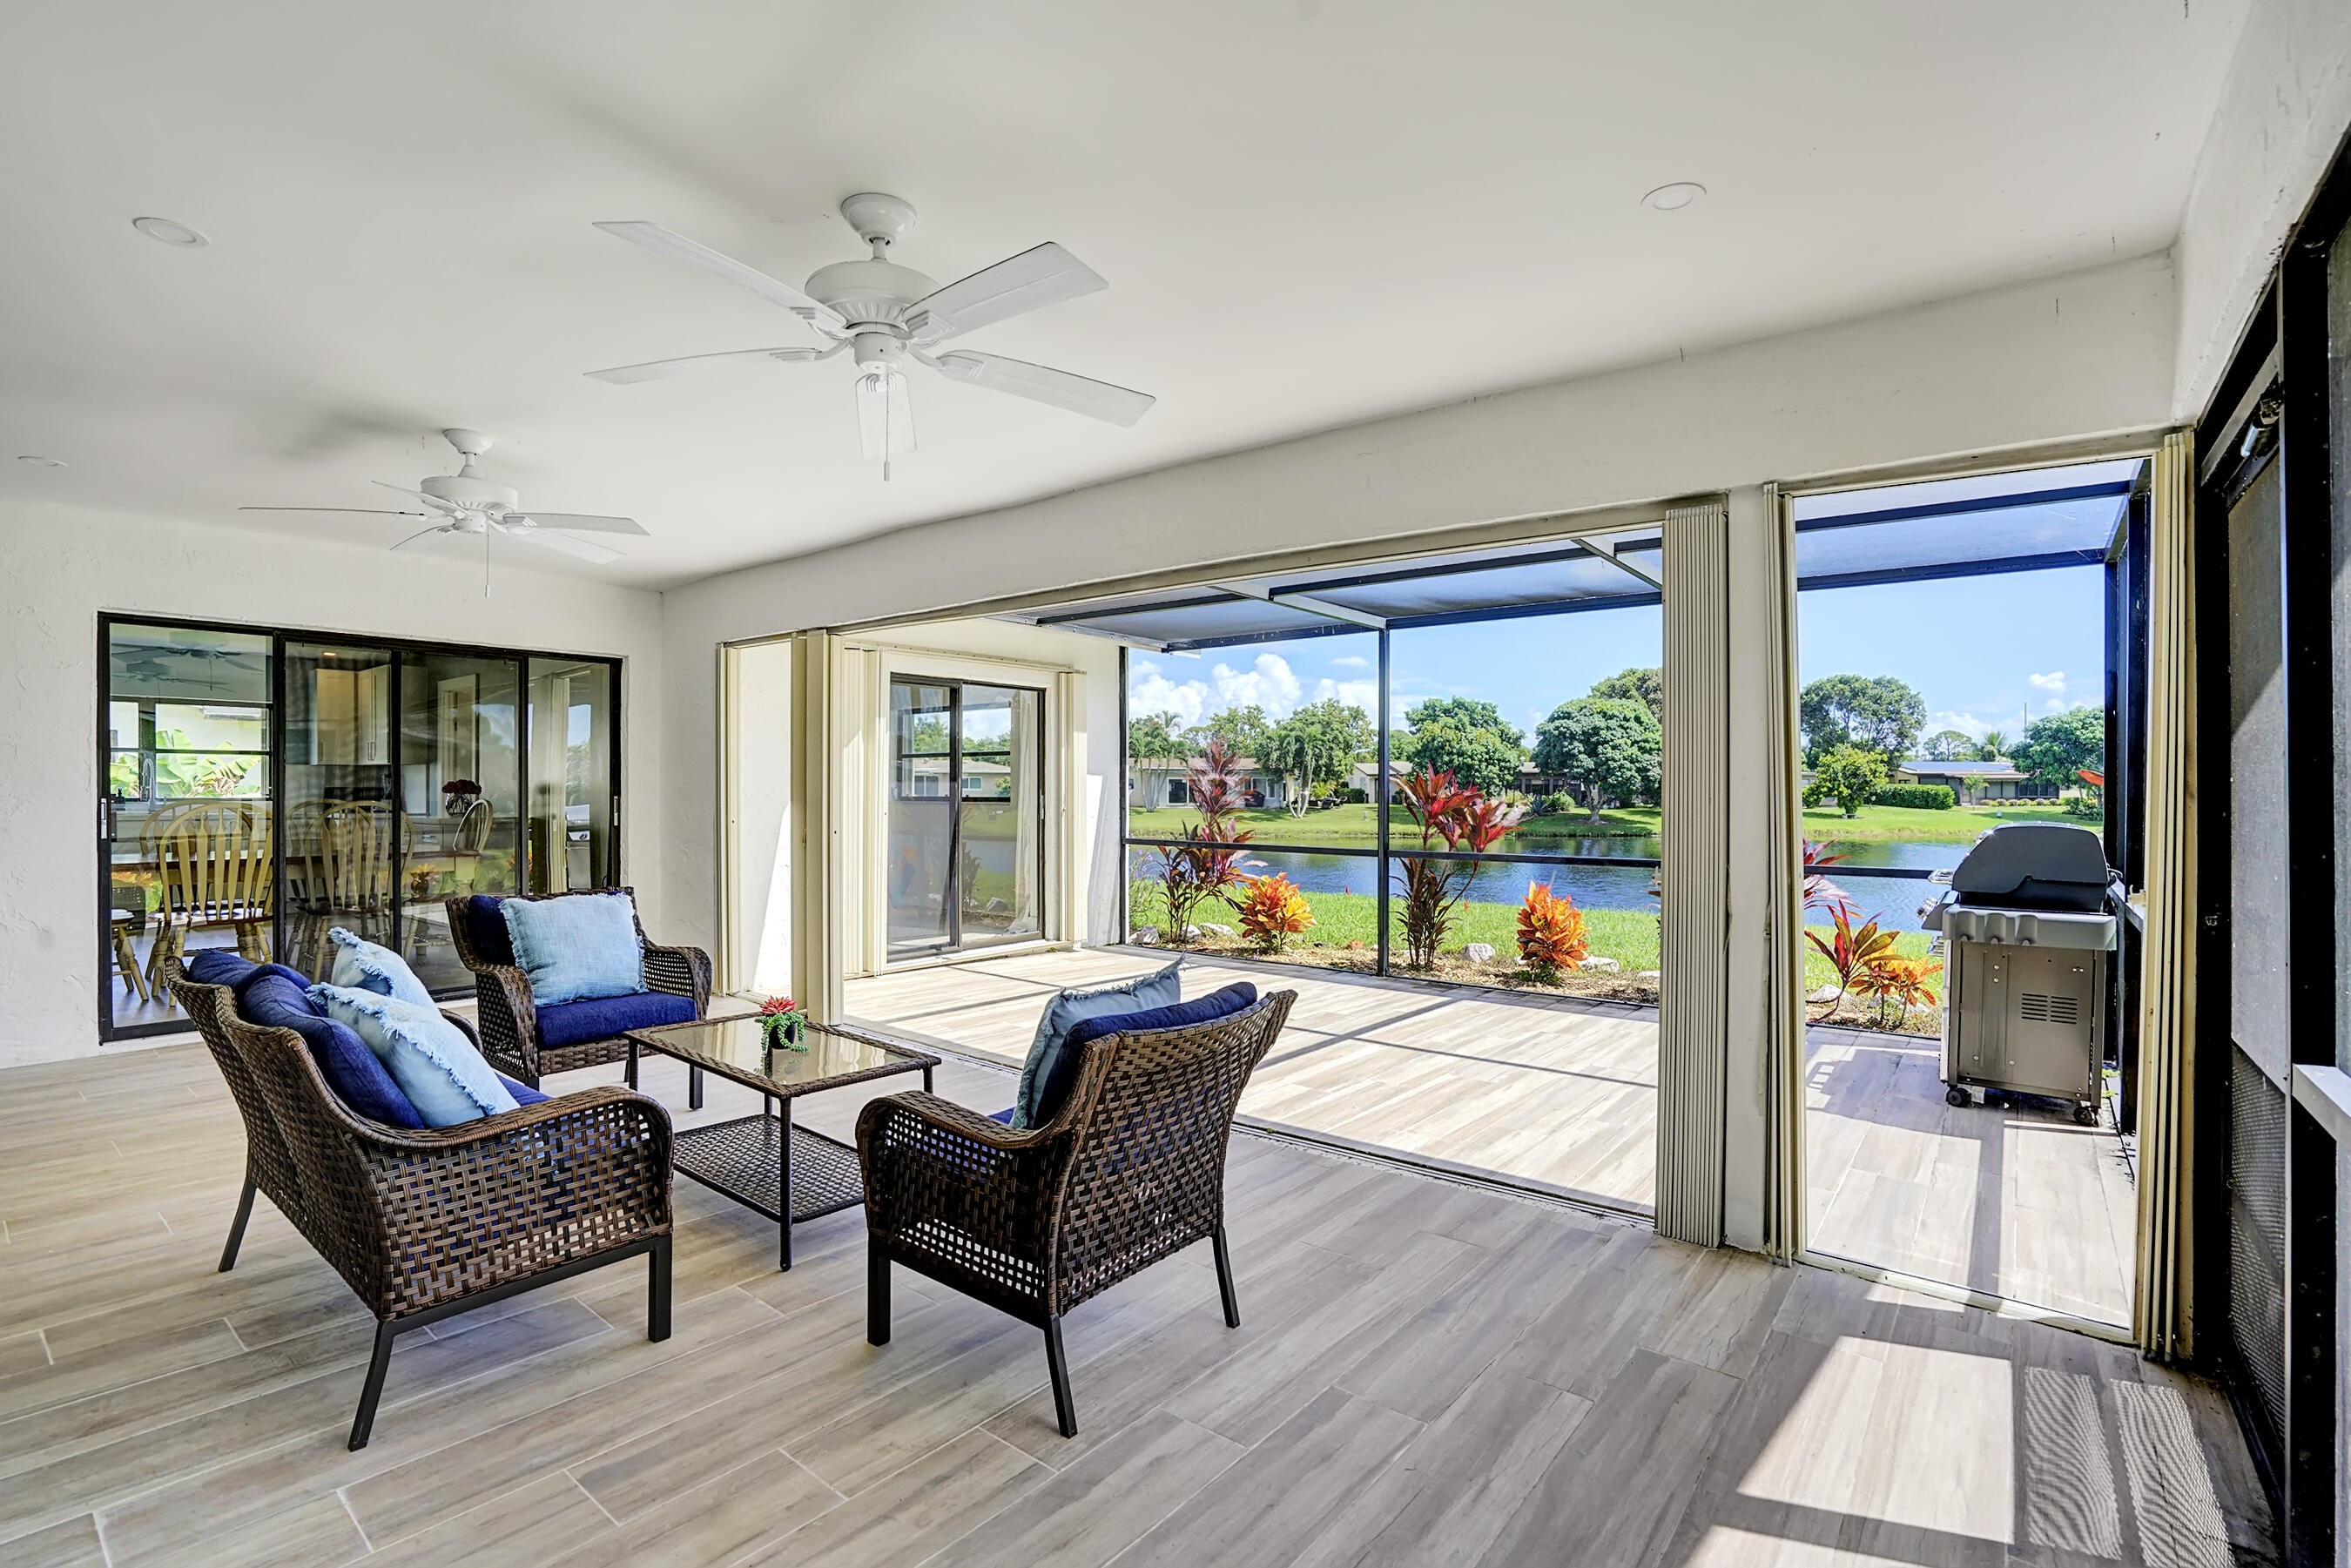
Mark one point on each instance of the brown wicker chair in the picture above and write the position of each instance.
(425, 1223)
(510, 1022)
(1034, 1223)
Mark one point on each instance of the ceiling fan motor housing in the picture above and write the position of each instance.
(869, 292)
(472, 493)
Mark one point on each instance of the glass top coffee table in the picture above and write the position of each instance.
(764, 1162)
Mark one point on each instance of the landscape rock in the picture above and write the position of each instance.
(1478, 952)
(1145, 936)
(1825, 994)
(1598, 966)
(1650, 975)
(1221, 932)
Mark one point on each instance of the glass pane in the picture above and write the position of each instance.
(573, 806)
(460, 799)
(189, 862)
(1000, 861)
(337, 846)
(922, 820)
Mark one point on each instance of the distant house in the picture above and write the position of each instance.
(1995, 780)
(1161, 782)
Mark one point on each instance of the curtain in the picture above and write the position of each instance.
(2163, 1316)
(1692, 1014)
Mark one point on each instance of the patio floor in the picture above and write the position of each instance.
(1556, 1097)
(2013, 1201)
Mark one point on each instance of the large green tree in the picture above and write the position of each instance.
(1992, 746)
(1242, 729)
(1318, 744)
(1156, 737)
(1949, 746)
(1613, 748)
(2059, 745)
(1464, 738)
(1646, 686)
(1876, 713)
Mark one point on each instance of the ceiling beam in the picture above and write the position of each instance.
(1605, 549)
(1312, 605)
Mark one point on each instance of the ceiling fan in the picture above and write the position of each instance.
(466, 503)
(885, 315)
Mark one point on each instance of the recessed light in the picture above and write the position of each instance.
(169, 233)
(38, 461)
(1673, 198)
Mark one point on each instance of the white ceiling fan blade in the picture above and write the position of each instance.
(444, 508)
(1079, 394)
(558, 542)
(653, 370)
(1030, 281)
(425, 534)
(654, 237)
(355, 511)
(579, 522)
(886, 416)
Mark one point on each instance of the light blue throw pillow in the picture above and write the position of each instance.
(430, 1058)
(1160, 989)
(577, 948)
(362, 965)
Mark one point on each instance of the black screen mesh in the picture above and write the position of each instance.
(2257, 1239)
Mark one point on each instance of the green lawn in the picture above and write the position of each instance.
(1959, 825)
(1356, 827)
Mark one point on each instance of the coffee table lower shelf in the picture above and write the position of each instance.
(743, 1160)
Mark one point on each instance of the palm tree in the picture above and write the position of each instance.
(1992, 748)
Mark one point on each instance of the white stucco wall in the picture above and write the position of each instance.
(59, 567)
(2283, 110)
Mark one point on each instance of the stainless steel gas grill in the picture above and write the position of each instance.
(2027, 922)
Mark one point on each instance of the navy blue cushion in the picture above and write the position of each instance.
(523, 1093)
(485, 923)
(602, 1018)
(1004, 1115)
(218, 967)
(1062, 1076)
(353, 1072)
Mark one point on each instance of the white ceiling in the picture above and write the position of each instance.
(1309, 214)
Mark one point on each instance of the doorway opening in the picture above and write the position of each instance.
(966, 816)
(1972, 688)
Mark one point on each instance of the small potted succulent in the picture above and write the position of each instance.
(784, 1023)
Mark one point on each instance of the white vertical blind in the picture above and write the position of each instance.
(1783, 1086)
(1692, 1034)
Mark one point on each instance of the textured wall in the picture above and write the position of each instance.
(60, 567)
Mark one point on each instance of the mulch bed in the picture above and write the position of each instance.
(1364, 960)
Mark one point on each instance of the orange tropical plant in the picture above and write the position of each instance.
(1272, 909)
(1551, 932)
(1852, 952)
(1899, 984)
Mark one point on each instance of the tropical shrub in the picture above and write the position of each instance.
(1551, 932)
(1272, 911)
(1819, 893)
(1456, 817)
(1898, 983)
(1208, 864)
(1852, 953)
(1559, 804)
(1850, 775)
(1917, 797)
(2085, 806)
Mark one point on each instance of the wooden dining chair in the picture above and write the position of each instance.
(215, 863)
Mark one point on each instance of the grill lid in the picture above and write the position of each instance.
(2034, 865)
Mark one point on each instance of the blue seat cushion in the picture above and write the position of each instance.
(1062, 1076)
(524, 1095)
(219, 967)
(604, 1017)
(485, 923)
(1066, 1011)
(274, 997)
(578, 947)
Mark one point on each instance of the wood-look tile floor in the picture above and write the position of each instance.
(1554, 1094)
(1428, 1373)
(2012, 1200)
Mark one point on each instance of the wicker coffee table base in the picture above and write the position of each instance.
(744, 1160)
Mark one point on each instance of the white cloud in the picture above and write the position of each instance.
(1967, 724)
(1269, 682)
(1148, 691)
(1364, 694)
(2053, 683)
(1351, 661)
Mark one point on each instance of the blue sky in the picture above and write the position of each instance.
(1979, 650)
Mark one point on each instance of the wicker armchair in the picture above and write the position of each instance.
(1034, 1223)
(510, 1020)
(425, 1223)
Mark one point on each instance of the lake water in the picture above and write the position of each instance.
(1895, 900)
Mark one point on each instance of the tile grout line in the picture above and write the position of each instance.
(354, 1518)
(591, 1496)
(98, 1528)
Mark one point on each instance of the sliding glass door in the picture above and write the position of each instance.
(262, 788)
(965, 859)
